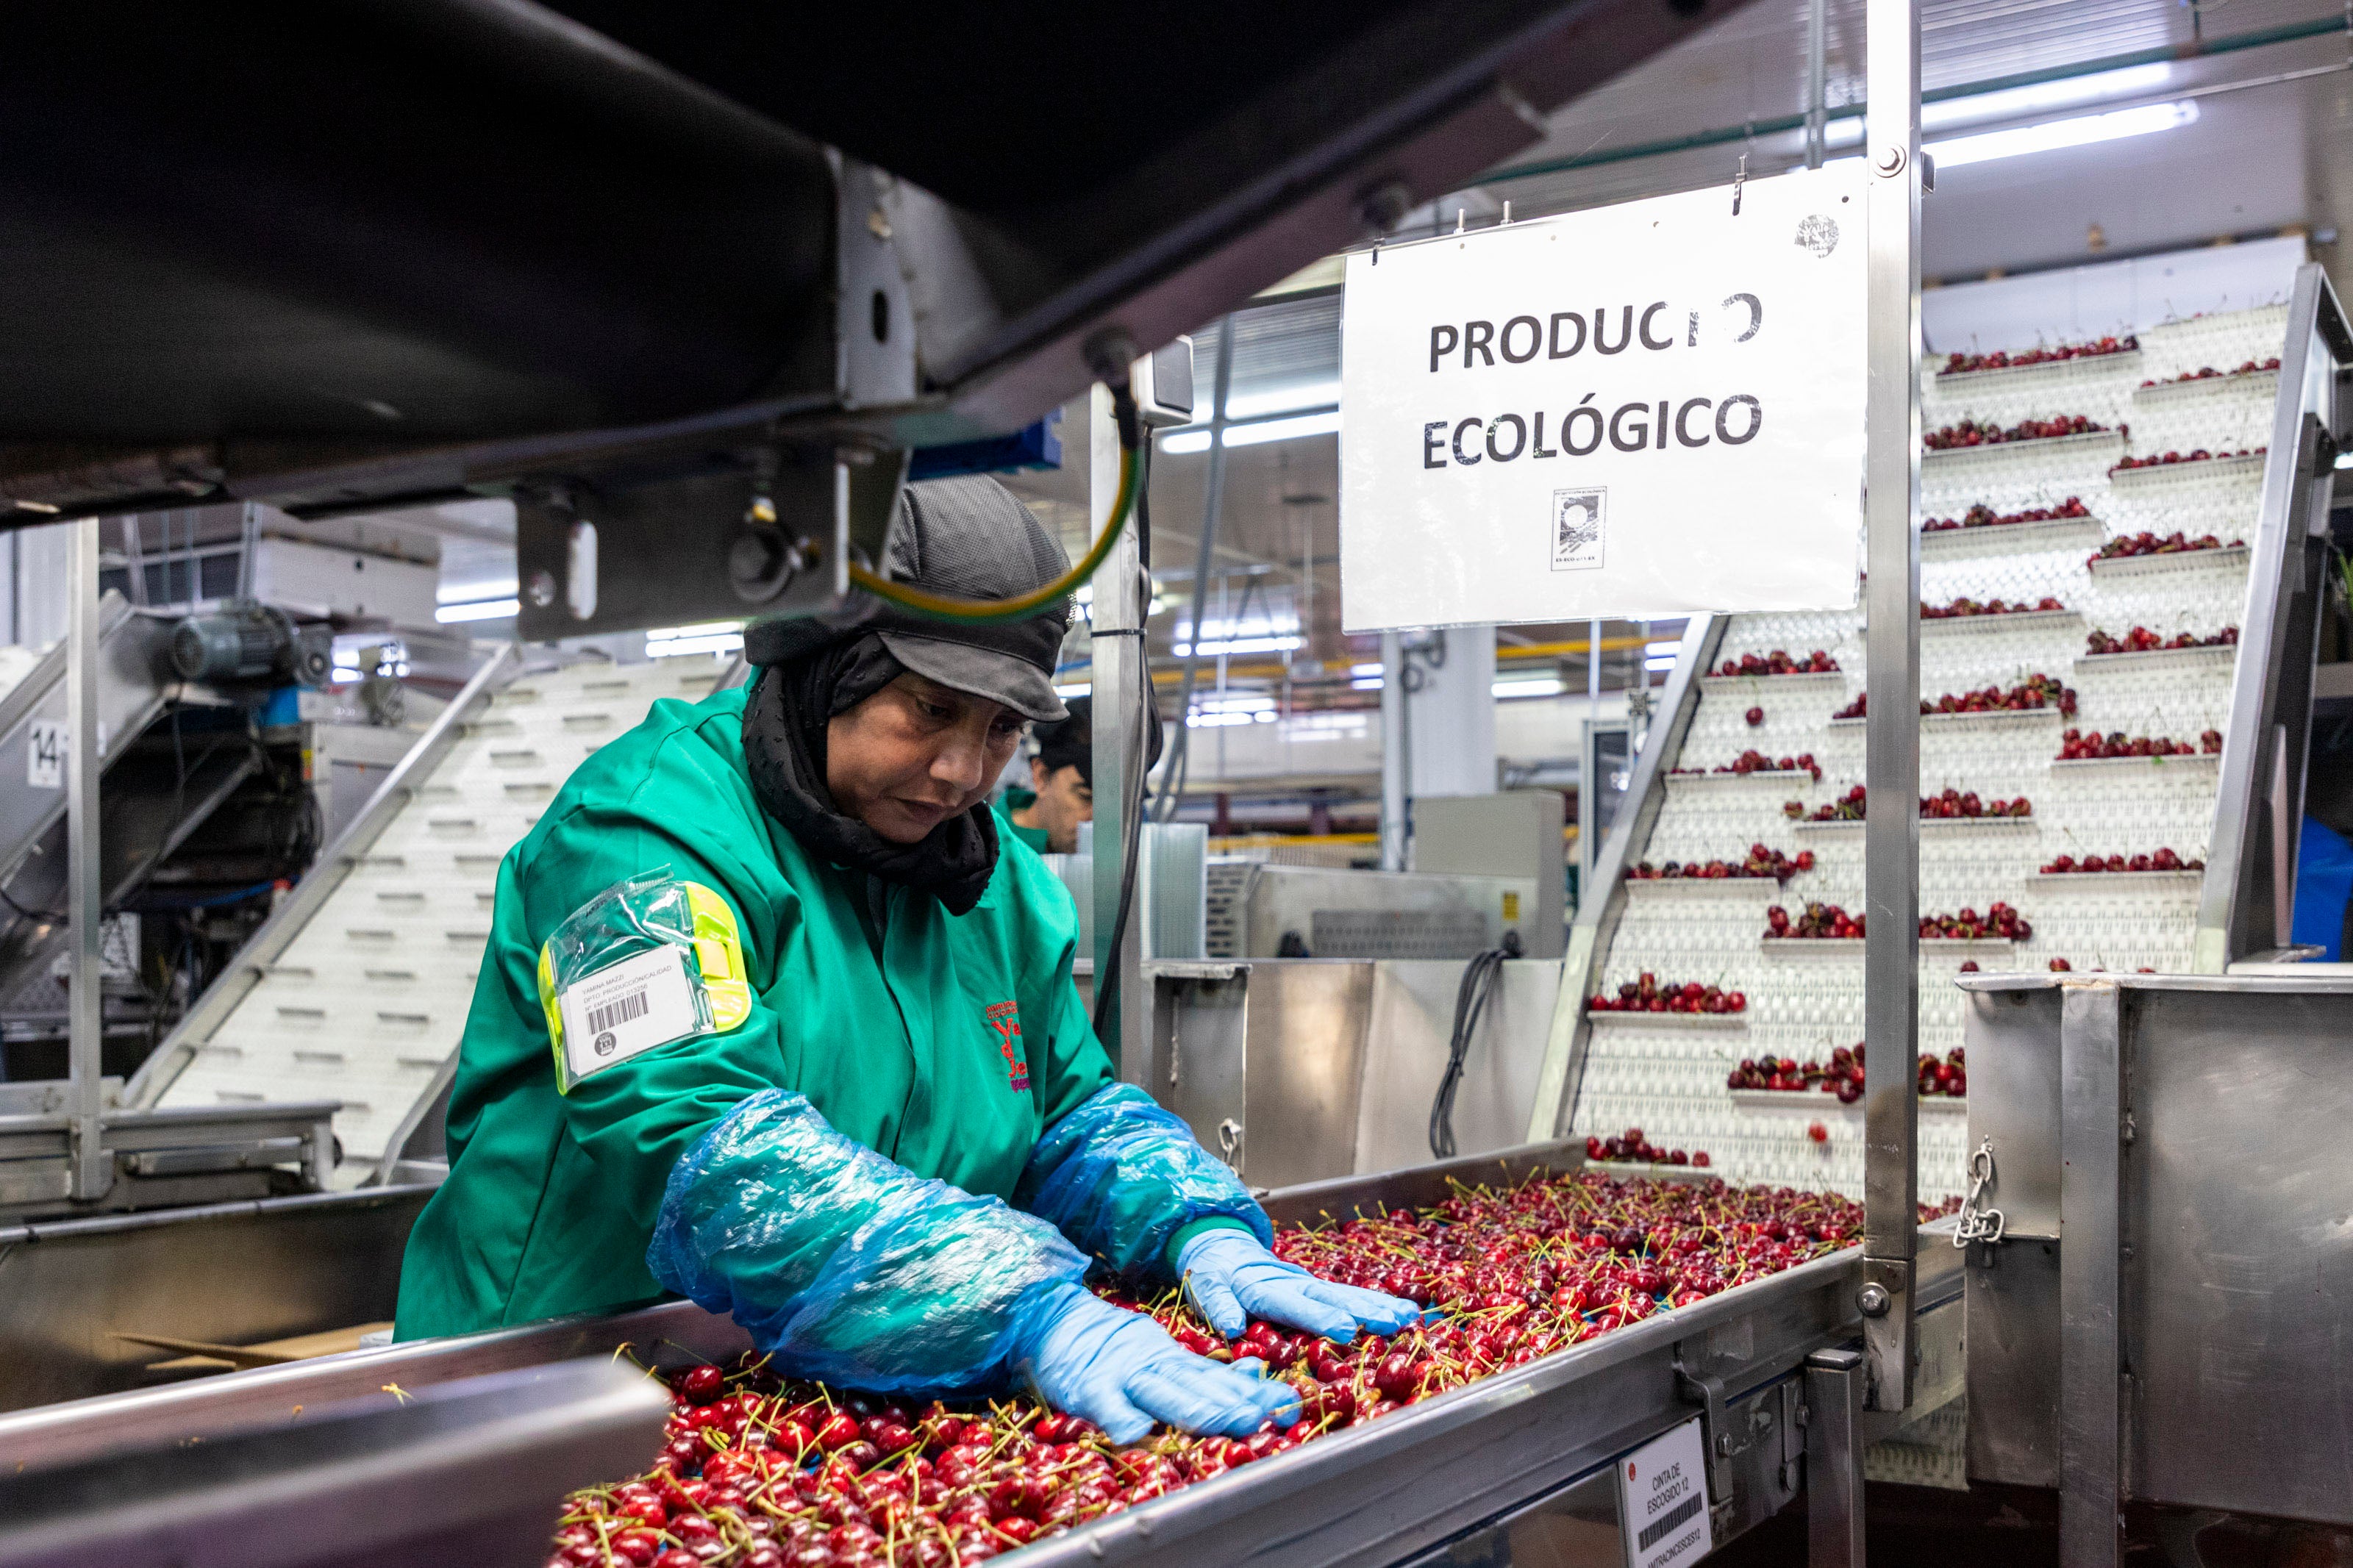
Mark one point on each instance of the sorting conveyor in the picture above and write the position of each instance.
(356, 989)
(73, 1145)
(1456, 1478)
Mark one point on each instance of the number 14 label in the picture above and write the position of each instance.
(45, 754)
(1662, 1500)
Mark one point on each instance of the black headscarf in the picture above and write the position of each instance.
(784, 750)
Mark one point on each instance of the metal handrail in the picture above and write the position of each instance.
(1604, 902)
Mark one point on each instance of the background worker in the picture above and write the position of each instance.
(1062, 792)
(771, 1017)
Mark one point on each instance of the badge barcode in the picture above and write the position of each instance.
(633, 1005)
(1657, 1528)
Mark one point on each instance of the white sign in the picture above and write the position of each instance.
(1646, 410)
(1662, 1500)
(625, 1008)
(45, 754)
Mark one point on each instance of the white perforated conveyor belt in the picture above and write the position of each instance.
(1804, 1005)
(366, 996)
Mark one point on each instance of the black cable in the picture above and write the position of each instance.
(1471, 998)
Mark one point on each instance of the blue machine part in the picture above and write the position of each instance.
(283, 706)
(2323, 885)
(1038, 445)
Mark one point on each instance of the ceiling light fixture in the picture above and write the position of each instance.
(2079, 131)
(478, 610)
(2036, 97)
(1198, 438)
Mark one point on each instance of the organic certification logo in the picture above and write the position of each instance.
(1578, 522)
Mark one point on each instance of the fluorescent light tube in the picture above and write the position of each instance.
(479, 610)
(2081, 130)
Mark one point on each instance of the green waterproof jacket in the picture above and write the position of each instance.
(896, 1029)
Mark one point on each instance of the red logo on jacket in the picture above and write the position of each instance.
(1006, 1019)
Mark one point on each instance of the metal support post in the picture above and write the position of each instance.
(1834, 1386)
(93, 1174)
(1818, 44)
(1119, 741)
(1396, 756)
(1891, 1006)
(2092, 1133)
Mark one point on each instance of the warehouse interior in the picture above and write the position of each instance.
(412, 416)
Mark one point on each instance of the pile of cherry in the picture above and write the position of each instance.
(2035, 691)
(2000, 922)
(2207, 373)
(2147, 544)
(1961, 364)
(1963, 607)
(1983, 516)
(2156, 860)
(2141, 640)
(1827, 922)
(1760, 861)
(1843, 1076)
(2077, 747)
(1753, 761)
(1815, 922)
(1951, 804)
(1778, 662)
(1633, 1145)
(2167, 459)
(762, 1472)
(1647, 995)
(1986, 433)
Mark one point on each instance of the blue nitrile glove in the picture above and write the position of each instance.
(1120, 1369)
(1231, 1278)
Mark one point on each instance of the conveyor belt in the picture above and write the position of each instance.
(1441, 1475)
(1667, 1074)
(357, 988)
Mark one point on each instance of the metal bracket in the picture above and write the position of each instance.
(1708, 1392)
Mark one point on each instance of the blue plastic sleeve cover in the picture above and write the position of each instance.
(846, 1265)
(1120, 1177)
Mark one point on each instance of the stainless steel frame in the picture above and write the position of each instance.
(1891, 849)
(469, 1472)
(1312, 1069)
(1123, 674)
(223, 1273)
(88, 1171)
(2247, 897)
(2161, 1319)
(80, 1153)
(1471, 1468)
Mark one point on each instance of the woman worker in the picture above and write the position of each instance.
(772, 1017)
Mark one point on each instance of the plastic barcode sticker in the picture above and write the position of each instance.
(625, 1008)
